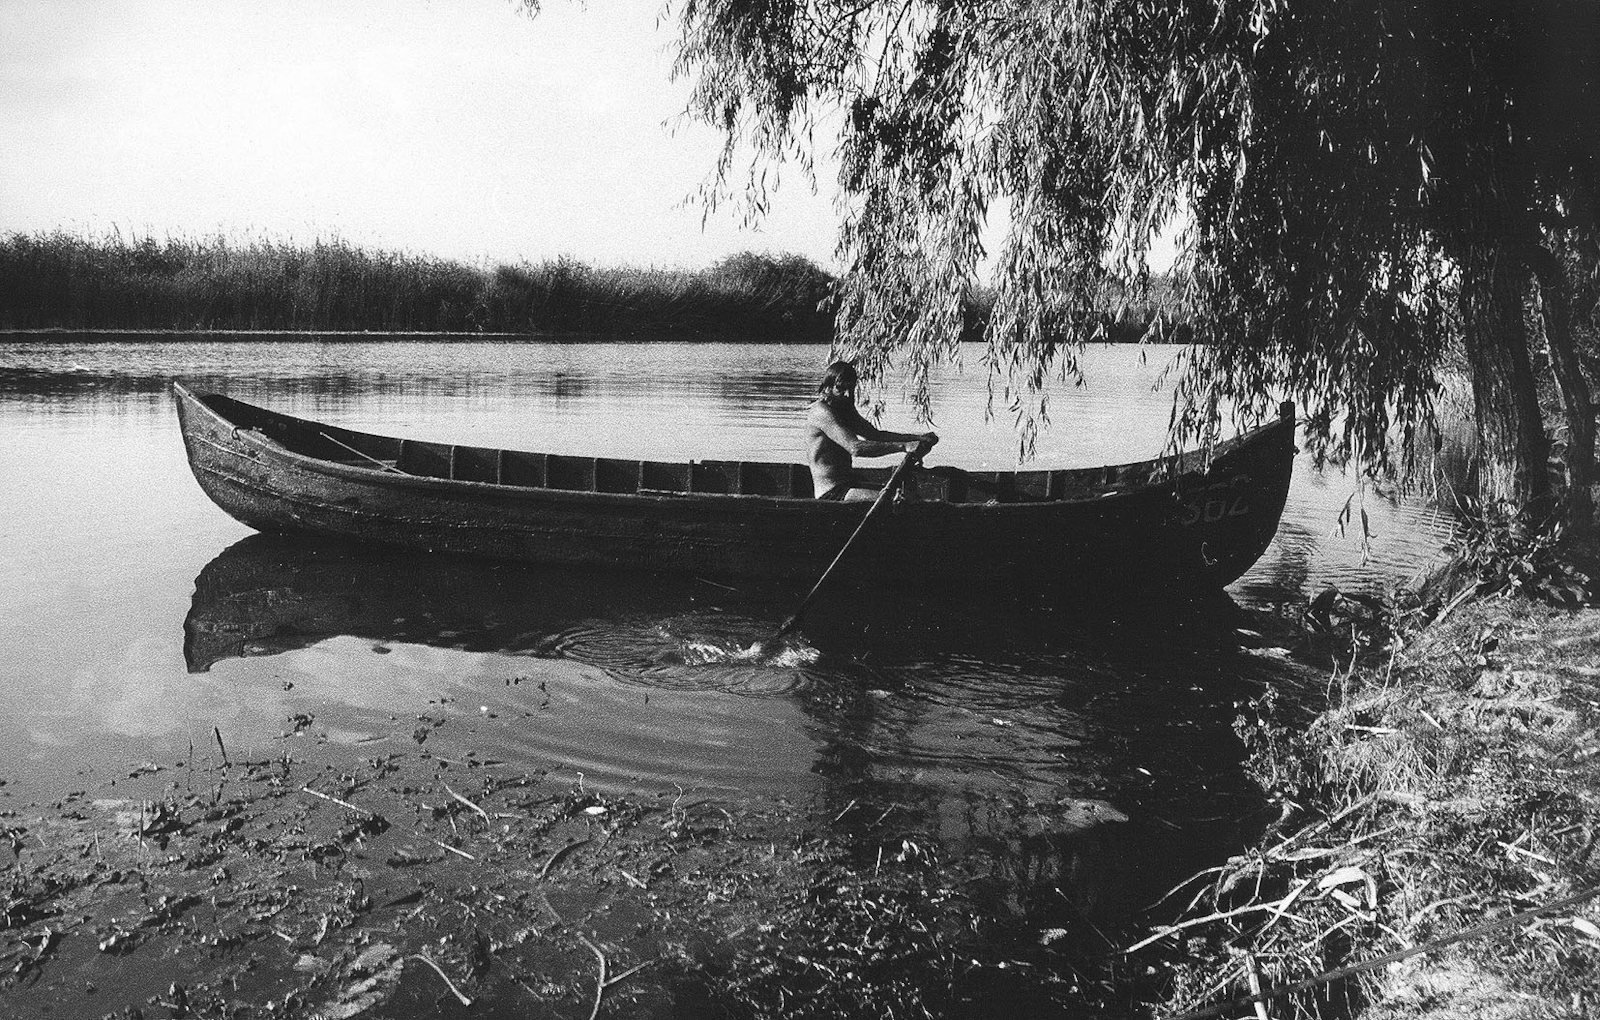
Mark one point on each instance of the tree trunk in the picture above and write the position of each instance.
(1511, 440)
(1576, 400)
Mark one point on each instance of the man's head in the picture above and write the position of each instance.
(839, 381)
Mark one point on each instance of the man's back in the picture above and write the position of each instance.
(828, 441)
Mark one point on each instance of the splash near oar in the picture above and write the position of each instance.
(765, 649)
(702, 652)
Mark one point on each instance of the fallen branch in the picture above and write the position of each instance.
(1513, 848)
(1324, 824)
(1277, 906)
(1253, 972)
(630, 972)
(600, 984)
(558, 855)
(443, 977)
(335, 800)
(1312, 853)
(1192, 878)
(468, 803)
(1466, 594)
(544, 901)
(1281, 908)
(458, 853)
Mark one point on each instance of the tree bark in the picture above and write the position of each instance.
(1512, 444)
(1576, 399)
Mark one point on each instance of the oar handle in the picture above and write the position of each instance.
(895, 479)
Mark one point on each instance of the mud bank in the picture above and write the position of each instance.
(409, 885)
(1436, 850)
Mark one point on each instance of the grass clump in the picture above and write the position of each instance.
(1449, 785)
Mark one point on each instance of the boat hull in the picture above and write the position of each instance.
(1197, 528)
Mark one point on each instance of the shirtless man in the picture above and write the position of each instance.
(836, 433)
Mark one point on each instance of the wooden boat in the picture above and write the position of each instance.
(1193, 521)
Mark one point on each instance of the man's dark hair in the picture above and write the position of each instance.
(840, 372)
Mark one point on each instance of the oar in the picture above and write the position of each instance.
(892, 484)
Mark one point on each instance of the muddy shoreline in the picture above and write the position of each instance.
(326, 883)
(406, 885)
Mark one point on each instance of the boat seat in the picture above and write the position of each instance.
(430, 460)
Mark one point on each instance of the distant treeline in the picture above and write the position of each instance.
(60, 281)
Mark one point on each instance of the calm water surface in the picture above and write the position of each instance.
(139, 621)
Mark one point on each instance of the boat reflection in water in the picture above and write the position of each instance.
(1079, 770)
(269, 594)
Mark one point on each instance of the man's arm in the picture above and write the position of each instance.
(856, 434)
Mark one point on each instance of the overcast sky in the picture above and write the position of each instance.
(459, 128)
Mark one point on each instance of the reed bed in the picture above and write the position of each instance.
(61, 281)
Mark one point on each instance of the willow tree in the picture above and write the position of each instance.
(1363, 183)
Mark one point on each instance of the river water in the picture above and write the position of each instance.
(140, 622)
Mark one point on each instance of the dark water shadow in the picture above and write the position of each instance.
(1078, 765)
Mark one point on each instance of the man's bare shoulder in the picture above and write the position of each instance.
(821, 413)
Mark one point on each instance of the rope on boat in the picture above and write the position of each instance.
(383, 464)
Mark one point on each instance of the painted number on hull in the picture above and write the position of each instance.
(1216, 501)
